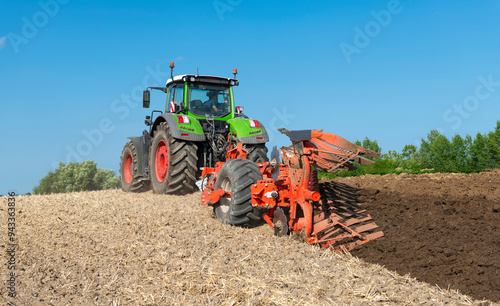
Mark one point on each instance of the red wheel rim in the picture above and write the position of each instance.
(161, 161)
(127, 169)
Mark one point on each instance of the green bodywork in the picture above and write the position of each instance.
(193, 126)
(238, 126)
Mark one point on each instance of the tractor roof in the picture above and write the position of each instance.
(203, 79)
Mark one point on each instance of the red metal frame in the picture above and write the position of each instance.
(325, 152)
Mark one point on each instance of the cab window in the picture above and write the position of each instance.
(209, 100)
(175, 97)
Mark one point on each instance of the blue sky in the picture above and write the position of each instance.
(72, 71)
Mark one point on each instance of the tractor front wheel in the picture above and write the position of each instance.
(129, 178)
(237, 177)
(172, 163)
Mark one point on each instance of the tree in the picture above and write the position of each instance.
(459, 153)
(77, 177)
(494, 146)
(409, 152)
(370, 145)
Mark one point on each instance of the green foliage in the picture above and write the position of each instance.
(436, 153)
(370, 145)
(77, 177)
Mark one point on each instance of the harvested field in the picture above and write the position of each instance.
(110, 247)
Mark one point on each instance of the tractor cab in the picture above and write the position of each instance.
(201, 96)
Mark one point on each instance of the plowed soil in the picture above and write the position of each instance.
(443, 229)
(116, 248)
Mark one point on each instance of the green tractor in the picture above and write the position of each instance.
(199, 124)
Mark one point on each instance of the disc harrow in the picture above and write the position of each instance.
(290, 192)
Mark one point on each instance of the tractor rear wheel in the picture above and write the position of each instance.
(129, 179)
(237, 177)
(257, 153)
(172, 163)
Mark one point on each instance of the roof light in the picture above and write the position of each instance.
(172, 70)
(254, 123)
(183, 119)
(191, 79)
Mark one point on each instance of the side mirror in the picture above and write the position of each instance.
(146, 98)
(239, 110)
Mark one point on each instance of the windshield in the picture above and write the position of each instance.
(209, 100)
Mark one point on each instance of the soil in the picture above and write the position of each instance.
(443, 229)
(112, 247)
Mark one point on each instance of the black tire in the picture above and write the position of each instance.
(257, 153)
(176, 172)
(130, 180)
(237, 176)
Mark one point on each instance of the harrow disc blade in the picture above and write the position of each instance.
(275, 163)
(280, 222)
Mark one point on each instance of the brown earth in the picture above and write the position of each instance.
(111, 247)
(443, 229)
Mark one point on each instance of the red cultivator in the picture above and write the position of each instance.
(240, 190)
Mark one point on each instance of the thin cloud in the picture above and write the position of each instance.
(2, 42)
(180, 58)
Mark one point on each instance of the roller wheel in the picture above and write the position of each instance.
(172, 163)
(237, 176)
(257, 153)
(130, 180)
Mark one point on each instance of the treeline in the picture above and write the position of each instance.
(77, 177)
(437, 153)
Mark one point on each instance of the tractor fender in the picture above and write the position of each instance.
(191, 131)
(246, 134)
(142, 145)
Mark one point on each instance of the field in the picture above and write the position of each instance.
(110, 247)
